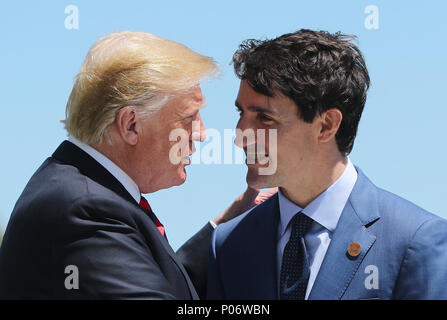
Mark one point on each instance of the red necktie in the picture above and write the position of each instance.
(145, 205)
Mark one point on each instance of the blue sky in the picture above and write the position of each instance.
(401, 140)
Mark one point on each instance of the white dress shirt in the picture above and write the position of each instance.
(325, 211)
(110, 166)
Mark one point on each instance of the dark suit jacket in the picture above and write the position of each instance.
(74, 212)
(403, 252)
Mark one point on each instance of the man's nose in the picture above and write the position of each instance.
(245, 134)
(198, 130)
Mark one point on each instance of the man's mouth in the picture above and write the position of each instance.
(256, 159)
(186, 161)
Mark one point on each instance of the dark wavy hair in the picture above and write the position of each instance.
(316, 69)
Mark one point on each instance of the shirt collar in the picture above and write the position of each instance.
(110, 166)
(325, 209)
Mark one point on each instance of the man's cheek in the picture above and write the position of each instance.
(272, 151)
(179, 145)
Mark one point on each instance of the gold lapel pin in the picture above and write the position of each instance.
(354, 249)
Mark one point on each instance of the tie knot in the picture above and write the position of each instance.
(144, 204)
(300, 224)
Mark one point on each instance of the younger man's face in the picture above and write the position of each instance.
(296, 140)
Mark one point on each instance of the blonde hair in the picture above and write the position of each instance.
(129, 68)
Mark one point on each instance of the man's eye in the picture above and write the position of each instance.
(264, 117)
(191, 117)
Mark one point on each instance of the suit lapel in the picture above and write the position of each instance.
(69, 153)
(165, 244)
(338, 267)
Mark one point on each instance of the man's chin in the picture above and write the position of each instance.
(181, 176)
(175, 179)
(259, 182)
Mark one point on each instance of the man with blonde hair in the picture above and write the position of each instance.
(81, 228)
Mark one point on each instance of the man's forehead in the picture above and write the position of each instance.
(254, 101)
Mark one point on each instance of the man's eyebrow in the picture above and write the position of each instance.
(260, 109)
(199, 106)
(192, 110)
(254, 108)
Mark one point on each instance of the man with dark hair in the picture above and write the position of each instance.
(329, 232)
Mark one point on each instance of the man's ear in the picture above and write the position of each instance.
(330, 122)
(127, 122)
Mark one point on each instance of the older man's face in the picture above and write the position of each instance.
(162, 161)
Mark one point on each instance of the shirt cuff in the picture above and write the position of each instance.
(213, 224)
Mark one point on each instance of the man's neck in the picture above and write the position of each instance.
(117, 155)
(322, 176)
(110, 164)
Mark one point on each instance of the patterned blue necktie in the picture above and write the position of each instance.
(295, 263)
